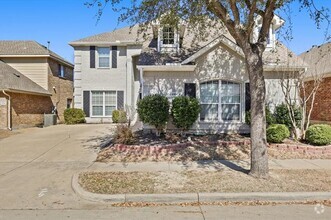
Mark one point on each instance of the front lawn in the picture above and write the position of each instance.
(204, 181)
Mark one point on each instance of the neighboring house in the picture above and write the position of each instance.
(114, 69)
(34, 81)
(319, 60)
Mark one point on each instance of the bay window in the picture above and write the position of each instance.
(209, 96)
(220, 101)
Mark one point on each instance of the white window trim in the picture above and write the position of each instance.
(97, 58)
(161, 45)
(103, 103)
(219, 116)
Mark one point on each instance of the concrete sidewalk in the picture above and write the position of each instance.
(209, 165)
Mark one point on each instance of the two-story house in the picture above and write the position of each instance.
(34, 81)
(113, 70)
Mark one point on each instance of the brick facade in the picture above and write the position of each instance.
(26, 110)
(3, 111)
(322, 104)
(63, 87)
(29, 110)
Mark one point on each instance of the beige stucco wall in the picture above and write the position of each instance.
(34, 68)
(121, 78)
(220, 63)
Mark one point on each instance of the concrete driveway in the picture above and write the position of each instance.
(36, 167)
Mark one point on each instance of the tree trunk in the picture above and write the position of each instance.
(259, 154)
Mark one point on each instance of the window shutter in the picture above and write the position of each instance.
(190, 90)
(92, 56)
(114, 57)
(247, 97)
(86, 103)
(120, 100)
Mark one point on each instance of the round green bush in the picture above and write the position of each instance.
(185, 111)
(319, 134)
(276, 133)
(282, 115)
(154, 110)
(119, 116)
(74, 116)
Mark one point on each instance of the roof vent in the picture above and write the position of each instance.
(17, 75)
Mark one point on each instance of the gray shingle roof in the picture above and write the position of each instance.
(126, 34)
(192, 43)
(13, 80)
(319, 60)
(27, 48)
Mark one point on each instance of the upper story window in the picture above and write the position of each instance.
(61, 70)
(271, 37)
(168, 35)
(104, 57)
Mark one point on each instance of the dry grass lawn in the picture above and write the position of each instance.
(205, 181)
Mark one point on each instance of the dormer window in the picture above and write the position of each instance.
(168, 36)
(271, 38)
(168, 39)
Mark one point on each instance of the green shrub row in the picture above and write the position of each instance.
(154, 110)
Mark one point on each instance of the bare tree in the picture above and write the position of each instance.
(239, 18)
(299, 89)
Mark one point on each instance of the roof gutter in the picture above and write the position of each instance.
(38, 56)
(8, 110)
(28, 92)
(106, 43)
(168, 68)
(271, 68)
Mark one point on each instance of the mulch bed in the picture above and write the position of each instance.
(174, 147)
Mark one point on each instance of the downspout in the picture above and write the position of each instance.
(141, 73)
(8, 110)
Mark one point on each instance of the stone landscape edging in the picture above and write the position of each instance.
(197, 197)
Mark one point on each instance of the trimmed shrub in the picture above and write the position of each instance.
(270, 119)
(154, 110)
(185, 111)
(123, 135)
(276, 133)
(282, 115)
(319, 134)
(119, 116)
(74, 116)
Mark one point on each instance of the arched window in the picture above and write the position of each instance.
(220, 101)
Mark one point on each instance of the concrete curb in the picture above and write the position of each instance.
(197, 197)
